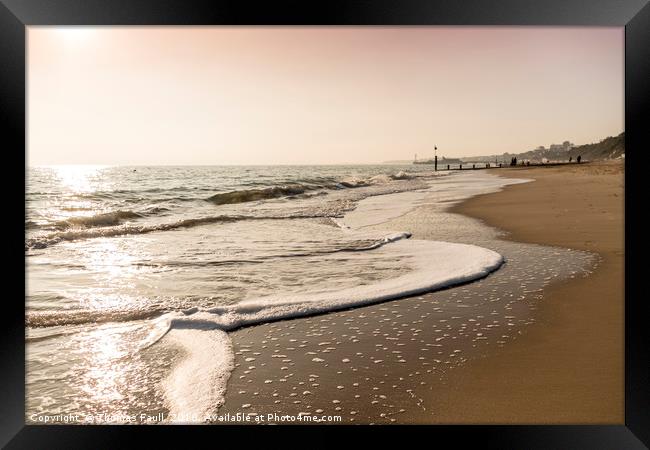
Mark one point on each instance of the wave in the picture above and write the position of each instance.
(98, 220)
(76, 208)
(251, 195)
(153, 210)
(83, 317)
(402, 175)
(360, 246)
(107, 219)
(459, 263)
(288, 190)
(49, 239)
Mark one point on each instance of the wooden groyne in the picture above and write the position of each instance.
(483, 166)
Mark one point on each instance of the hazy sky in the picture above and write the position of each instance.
(310, 95)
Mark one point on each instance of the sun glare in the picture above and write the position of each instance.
(76, 35)
(78, 178)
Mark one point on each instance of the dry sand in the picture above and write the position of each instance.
(569, 366)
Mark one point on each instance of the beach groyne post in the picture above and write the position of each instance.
(435, 163)
(461, 167)
(473, 166)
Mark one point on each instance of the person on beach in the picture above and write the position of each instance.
(570, 158)
(579, 158)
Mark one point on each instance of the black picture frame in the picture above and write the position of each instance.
(634, 15)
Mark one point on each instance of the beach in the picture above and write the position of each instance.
(569, 367)
(487, 296)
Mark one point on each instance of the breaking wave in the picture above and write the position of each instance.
(251, 195)
(49, 239)
(98, 220)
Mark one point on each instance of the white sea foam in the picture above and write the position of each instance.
(380, 208)
(202, 332)
(197, 385)
(442, 193)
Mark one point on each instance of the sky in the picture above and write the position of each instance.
(316, 95)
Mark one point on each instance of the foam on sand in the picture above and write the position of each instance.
(196, 385)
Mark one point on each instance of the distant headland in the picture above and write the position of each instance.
(612, 147)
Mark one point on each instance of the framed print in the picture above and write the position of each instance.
(348, 214)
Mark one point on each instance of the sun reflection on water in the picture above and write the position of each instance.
(79, 178)
(105, 375)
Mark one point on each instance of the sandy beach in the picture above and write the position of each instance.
(552, 353)
(569, 366)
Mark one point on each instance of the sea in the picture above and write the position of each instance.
(116, 257)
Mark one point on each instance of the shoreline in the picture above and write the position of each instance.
(526, 343)
(569, 366)
(397, 362)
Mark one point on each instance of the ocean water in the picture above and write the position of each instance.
(120, 258)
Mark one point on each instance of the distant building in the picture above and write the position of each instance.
(563, 147)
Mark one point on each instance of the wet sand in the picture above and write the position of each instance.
(516, 347)
(568, 367)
